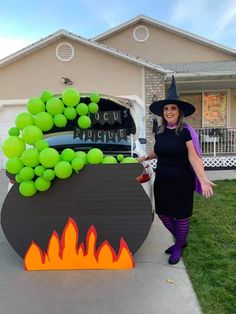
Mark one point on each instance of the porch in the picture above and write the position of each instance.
(218, 147)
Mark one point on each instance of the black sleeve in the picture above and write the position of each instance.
(186, 135)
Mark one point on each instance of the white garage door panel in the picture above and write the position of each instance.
(7, 120)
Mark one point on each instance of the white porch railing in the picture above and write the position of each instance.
(217, 141)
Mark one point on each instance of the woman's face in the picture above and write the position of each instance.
(171, 113)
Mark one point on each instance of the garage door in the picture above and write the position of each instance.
(7, 120)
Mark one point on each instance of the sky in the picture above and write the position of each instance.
(24, 22)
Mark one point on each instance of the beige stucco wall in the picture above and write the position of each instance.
(233, 109)
(164, 47)
(90, 70)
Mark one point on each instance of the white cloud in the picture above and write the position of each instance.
(11, 45)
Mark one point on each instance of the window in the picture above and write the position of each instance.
(215, 109)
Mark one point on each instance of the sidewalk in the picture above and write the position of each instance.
(152, 287)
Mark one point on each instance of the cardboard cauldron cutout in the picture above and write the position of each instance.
(96, 219)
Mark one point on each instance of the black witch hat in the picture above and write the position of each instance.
(172, 97)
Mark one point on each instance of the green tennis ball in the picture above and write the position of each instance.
(14, 131)
(95, 156)
(27, 173)
(42, 185)
(18, 178)
(44, 121)
(35, 105)
(68, 154)
(94, 97)
(109, 160)
(14, 165)
(60, 120)
(23, 119)
(70, 113)
(84, 122)
(70, 97)
(27, 188)
(93, 107)
(77, 164)
(46, 95)
(63, 169)
(82, 109)
(54, 106)
(31, 134)
(41, 144)
(49, 175)
(120, 157)
(129, 160)
(39, 170)
(82, 155)
(13, 146)
(30, 157)
(49, 157)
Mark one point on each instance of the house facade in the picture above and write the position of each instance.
(135, 60)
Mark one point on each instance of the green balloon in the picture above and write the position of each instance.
(54, 106)
(18, 178)
(13, 146)
(39, 170)
(31, 134)
(35, 105)
(109, 160)
(129, 160)
(30, 157)
(46, 95)
(27, 173)
(23, 119)
(70, 97)
(27, 188)
(44, 121)
(63, 169)
(70, 113)
(82, 155)
(82, 109)
(84, 122)
(42, 185)
(41, 144)
(77, 164)
(94, 97)
(60, 120)
(49, 175)
(95, 156)
(120, 157)
(68, 154)
(93, 107)
(14, 131)
(14, 165)
(49, 157)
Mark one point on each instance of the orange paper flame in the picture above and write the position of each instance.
(66, 254)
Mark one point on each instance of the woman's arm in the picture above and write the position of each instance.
(198, 168)
(149, 156)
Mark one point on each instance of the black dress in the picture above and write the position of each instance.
(174, 182)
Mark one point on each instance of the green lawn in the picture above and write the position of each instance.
(210, 257)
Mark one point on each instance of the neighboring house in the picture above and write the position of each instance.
(135, 60)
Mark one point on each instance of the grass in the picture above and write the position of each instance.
(210, 258)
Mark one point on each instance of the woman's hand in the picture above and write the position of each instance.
(207, 187)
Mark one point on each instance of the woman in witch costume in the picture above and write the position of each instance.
(180, 169)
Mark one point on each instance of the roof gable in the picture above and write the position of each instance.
(166, 27)
(65, 34)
